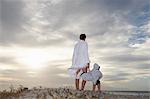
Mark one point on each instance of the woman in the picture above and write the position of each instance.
(80, 61)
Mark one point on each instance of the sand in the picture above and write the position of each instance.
(65, 93)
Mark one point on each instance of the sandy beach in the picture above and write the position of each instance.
(65, 93)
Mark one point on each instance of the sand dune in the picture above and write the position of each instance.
(65, 93)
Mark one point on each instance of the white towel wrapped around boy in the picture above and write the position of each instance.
(94, 75)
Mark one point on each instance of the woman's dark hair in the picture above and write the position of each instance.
(82, 37)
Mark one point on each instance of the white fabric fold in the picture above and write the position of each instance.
(80, 57)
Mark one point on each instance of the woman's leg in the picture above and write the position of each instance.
(77, 71)
(77, 84)
(77, 80)
(83, 81)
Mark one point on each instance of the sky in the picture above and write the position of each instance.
(37, 39)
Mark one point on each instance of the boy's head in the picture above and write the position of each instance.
(96, 66)
(82, 37)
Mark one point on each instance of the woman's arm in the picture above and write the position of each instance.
(88, 67)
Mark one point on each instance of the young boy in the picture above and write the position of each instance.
(94, 75)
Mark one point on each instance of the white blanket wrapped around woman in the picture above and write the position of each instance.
(80, 58)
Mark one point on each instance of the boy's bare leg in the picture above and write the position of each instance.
(99, 87)
(77, 84)
(83, 84)
(94, 86)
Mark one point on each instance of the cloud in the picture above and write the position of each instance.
(141, 33)
(117, 33)
(8, 60)
(11, 18)
(142, 66)
(37, 23)
(8, 71)
(116, 76)
(127, 58)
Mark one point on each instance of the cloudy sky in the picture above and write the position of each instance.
(37, 38)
